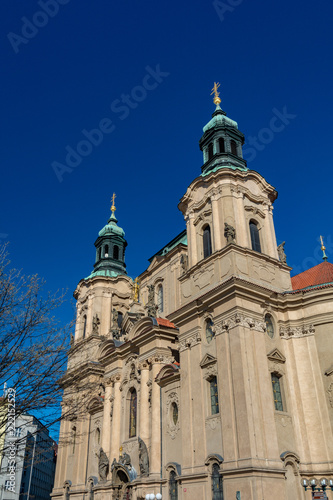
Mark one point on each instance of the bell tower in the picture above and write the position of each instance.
(110, 248)
(229, 209)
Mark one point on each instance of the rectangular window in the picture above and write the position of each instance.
(277, 392)
(214, 398)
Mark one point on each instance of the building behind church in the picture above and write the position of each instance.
(211, 375)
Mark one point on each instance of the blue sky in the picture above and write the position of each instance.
(70, 73)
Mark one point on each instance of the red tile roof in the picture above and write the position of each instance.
(317, 275)
(165, 322)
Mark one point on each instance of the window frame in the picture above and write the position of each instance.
(216, 404)
(276, 402)
(207, 245)
(254, 236)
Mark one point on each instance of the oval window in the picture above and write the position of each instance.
(269, 325)
(174, 413)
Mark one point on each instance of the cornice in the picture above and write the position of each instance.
(228, 174)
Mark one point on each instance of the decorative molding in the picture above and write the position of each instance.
(172, 428)
(255, 211)
(244, 321)
(189, 341)
(287, 332)
(276, 356)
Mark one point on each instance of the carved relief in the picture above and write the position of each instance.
(244, 321)
(190, 341)
(287, 332)
(212, 422)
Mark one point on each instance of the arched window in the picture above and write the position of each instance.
(214, 397)
(173, 487)
(255, 240)
(209, 330)
(132, 416)
(106, 251)
(207, 242)
(269, 325)
(277, 392)
(160, 298)
(233, 147)
(98, 436)
(84, 326)
(217, 486)
(116, 252)
(221, 145)
(210, 151)
(99, 253)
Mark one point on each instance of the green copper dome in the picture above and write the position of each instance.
(220, 119)
(110, 250)
(111, 227)
(221, 143)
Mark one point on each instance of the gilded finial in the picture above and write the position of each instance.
(113, 207)
(323, 248)
(216, 99)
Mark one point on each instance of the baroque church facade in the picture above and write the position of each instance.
(211, 375)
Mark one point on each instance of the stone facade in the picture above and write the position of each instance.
(230, 387)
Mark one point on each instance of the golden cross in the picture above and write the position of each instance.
(214, 91)
(113, 208)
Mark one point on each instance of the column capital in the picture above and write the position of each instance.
(144, 365)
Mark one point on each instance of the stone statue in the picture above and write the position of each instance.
(184, 262)
(151, 306)
(136, 290)
(143, 458)
(72, 340)
(115, 315)
(96, 323)
(229, 233)
(103, 465)
(281, 252)
(125, 459)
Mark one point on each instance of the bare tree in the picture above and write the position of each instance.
(33, 346)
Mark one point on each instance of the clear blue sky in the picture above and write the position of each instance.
(63, 77)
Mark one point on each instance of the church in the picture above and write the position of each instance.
(210, 376)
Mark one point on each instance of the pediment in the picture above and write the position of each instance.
(154, 263)
(201, 217)
(207, 360)
(276, 356)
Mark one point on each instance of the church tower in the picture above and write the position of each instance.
(210, 376)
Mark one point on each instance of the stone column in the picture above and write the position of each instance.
(106, 432)
(217, 235)
(192, 240)
(116, 416)
(144, 403)
(155, 466)
(89, 314)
